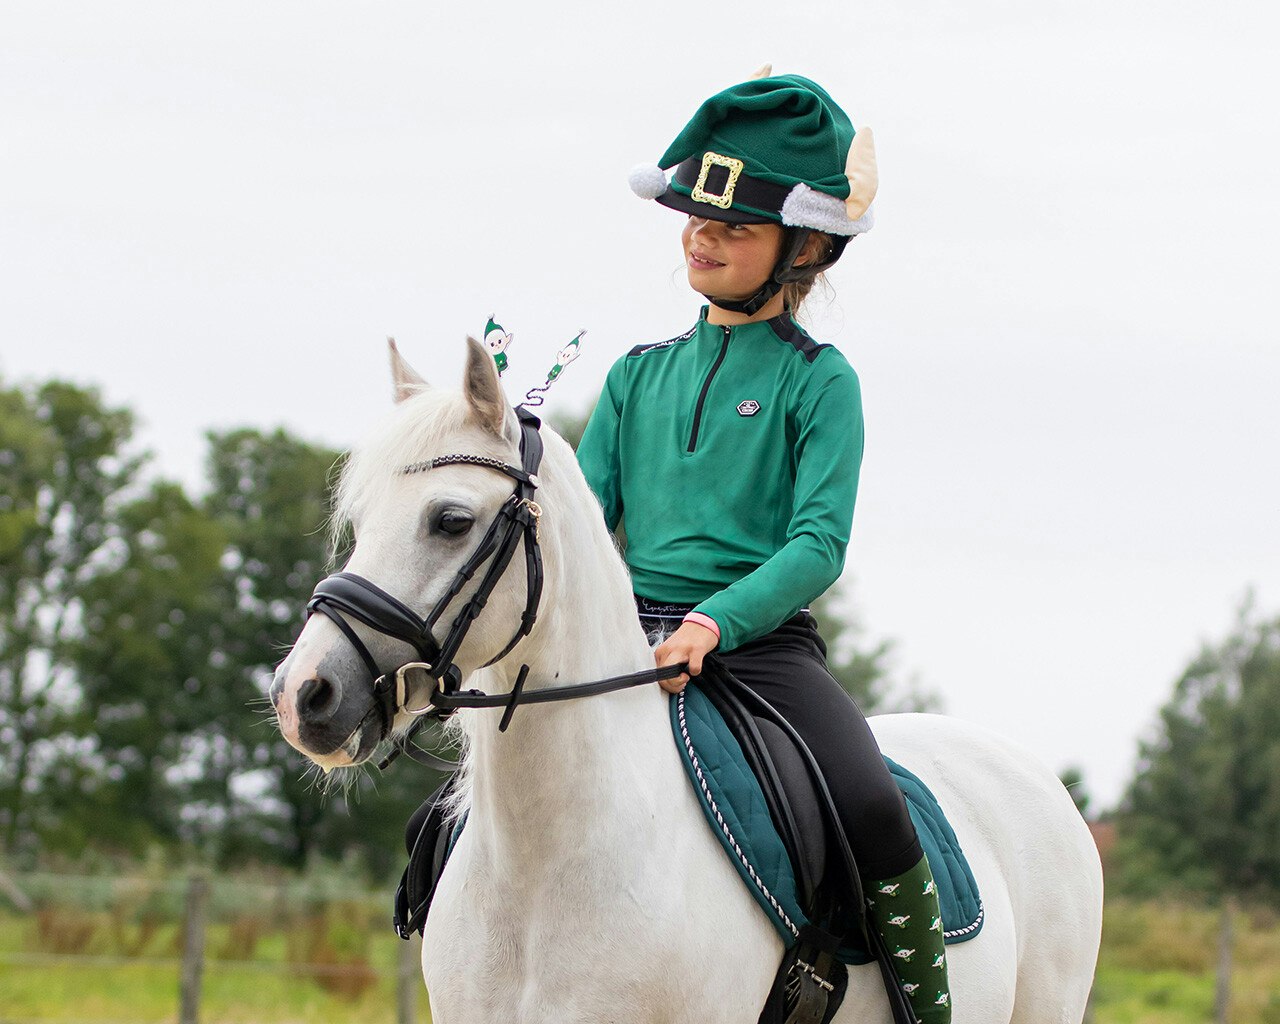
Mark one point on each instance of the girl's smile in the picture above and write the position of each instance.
(729, 260)
(699, 262)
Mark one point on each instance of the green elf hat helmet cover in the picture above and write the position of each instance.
(772, 150)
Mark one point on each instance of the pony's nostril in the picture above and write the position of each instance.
(317, 701)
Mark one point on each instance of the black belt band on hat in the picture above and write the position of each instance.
(749, 191)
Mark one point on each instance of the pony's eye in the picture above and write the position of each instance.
(453, 521)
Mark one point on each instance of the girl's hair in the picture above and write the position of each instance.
(794, 293)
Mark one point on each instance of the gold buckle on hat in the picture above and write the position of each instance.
(725, 199)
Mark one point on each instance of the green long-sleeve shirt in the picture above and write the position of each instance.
(733, 455)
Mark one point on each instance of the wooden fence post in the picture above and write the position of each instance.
(1226, 940)
(192, 949)
(408, 980)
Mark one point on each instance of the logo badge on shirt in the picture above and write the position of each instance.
(748, 408)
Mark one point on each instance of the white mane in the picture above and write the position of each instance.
(415, 430)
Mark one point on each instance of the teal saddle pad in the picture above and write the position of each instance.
(736, 809)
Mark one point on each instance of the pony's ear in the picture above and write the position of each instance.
(485, 397)
(405, 380)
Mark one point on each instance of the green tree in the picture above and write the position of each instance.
(1203, 810)
(1072, 777)
(65, 467)
(151, 699)
(270, 494)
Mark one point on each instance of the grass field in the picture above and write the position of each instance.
(1156, 968)
(272, 988)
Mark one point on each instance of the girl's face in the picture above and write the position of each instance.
(729, 260)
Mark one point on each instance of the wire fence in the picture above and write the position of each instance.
(115, 949)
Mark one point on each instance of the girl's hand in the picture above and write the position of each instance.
(691, 643)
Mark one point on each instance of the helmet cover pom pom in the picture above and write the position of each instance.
(647, 181)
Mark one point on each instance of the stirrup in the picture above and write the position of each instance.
(810, 984)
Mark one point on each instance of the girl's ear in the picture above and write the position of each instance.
(485, 398)
(816, 250)
(405, 380)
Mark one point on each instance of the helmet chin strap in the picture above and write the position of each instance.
(792, 245)
(784, 271)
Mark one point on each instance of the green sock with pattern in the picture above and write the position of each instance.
(904, 910)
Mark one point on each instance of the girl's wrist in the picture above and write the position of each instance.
(705, 621)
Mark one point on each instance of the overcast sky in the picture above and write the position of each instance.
(1064, 321)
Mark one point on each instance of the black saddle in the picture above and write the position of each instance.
(811, 981)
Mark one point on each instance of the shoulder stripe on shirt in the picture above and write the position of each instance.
(641, 349)
(787, 330)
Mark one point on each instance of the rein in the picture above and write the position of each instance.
(345, 594)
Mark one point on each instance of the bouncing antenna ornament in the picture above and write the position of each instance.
(563, 358)
(496, 341)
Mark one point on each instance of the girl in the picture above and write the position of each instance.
(732, 453)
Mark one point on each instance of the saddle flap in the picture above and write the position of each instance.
(785, 785)
(798, 796)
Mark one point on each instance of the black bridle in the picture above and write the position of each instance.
(345, 594)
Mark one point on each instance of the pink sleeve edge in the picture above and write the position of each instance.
(706, 621)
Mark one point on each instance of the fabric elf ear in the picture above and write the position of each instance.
(860, 169)
(763, 71)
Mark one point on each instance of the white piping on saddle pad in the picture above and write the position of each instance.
(977, 923)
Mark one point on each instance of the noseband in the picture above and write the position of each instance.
(345, 594)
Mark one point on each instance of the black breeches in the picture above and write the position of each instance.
(788, 668)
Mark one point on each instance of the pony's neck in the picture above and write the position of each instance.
(589, 759)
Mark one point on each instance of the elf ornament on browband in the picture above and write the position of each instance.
(772, 150)
(496, 340)
(533, 397)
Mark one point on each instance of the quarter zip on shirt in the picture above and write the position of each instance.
(706, 386)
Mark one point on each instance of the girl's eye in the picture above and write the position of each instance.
(453, 522)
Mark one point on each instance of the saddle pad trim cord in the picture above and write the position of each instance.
(737, 812)
(727, 840)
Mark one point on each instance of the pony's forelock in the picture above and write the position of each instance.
(414, 431)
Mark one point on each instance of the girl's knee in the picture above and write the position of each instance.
(881, 821)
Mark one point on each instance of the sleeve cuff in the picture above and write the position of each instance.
(706, 621)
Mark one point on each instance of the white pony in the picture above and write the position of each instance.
(587, 885)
